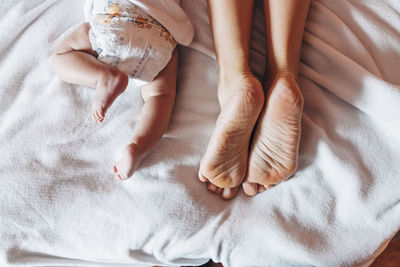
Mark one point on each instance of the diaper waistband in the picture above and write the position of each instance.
(116, 13)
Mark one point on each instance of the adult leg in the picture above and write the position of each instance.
(240, 95)
(75, 62)
(274, 151)
(159, 98)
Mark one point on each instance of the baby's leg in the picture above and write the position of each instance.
(75, 62)
(159, 97)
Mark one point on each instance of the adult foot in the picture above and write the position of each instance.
(132, 155)
(274, 152)
(111, 84)
(224, 164)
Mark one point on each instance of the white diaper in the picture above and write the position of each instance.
(128, 38)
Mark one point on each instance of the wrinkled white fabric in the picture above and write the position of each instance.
(60, 206)
(125, 36)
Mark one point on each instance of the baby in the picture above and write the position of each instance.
(128, 39)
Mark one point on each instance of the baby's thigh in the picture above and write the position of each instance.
(78, 40)
(165, 82)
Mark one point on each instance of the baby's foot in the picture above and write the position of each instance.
(132, 155)
(109, 87)
(274, 152)
(225, 161)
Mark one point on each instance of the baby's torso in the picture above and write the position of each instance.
(125, 36)
(107, 11)
(111, 7)
(167, 13)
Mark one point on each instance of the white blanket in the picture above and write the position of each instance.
(60, 206)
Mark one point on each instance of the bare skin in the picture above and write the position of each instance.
(275, 146)
(225, 163)
(272, 157)
(75, 62)
(159, 97)
(240, 95)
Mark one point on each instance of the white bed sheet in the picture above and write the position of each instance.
(60, 206)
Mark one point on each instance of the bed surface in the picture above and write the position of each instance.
(61, 206)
